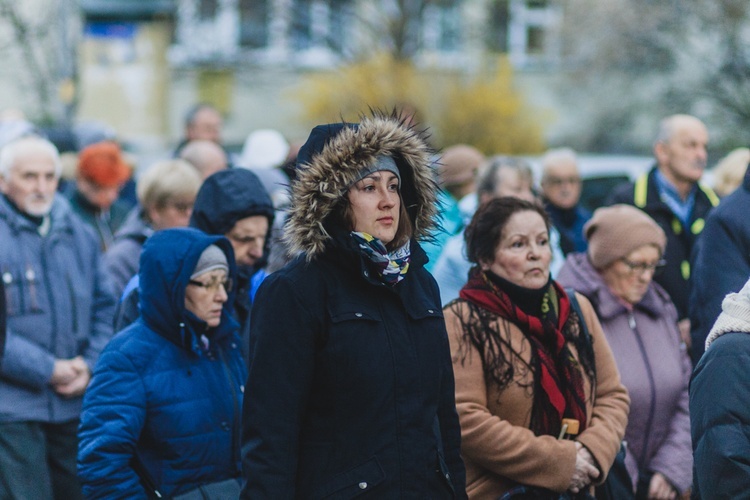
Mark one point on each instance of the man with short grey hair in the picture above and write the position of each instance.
(673, 196)
(59, 317)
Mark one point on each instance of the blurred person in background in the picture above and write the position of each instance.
(206, 157)
(101, 174)
(203, 122)
(640, 323)
(500, 176)
(721, 262)
(263, 149)
(457, 171)
(162, 412)
(166, 193)
(522, 365)
(59, 318)
(561, 191)
(673, 196)
(730, 171)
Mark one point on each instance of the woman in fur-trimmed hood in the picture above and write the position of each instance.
(335, 156)
(350, 389)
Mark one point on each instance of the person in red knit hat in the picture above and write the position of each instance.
(101, 174)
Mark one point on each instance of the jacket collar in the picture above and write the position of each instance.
(587, 281)
(59, 216)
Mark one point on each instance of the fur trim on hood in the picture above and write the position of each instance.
(735, 315)
(330, 162)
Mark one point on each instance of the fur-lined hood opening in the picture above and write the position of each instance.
(330, 162)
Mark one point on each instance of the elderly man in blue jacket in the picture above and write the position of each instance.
(59, 317)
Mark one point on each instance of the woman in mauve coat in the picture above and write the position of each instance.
(640, 323)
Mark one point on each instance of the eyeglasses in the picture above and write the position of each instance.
(559, 181)
(213, 285)
(641, 267)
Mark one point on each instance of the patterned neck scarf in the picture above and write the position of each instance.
(559, 376)
(391, 267)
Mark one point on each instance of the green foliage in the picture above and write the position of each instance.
(486, 110)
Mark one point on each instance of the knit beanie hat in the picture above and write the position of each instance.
(211, 259)
(459, 164)
(381, 163)
(103, 164)
(613, 232)
(734, 317)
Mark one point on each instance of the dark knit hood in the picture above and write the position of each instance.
(331, 161)
(227, 197)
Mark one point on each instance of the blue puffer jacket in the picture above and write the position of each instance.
(158, 393)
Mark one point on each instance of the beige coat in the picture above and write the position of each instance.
(497, 445)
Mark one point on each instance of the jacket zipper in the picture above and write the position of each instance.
(652, 385)
(52, 311)
(235, 406)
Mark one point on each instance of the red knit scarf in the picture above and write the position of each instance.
(558, 373)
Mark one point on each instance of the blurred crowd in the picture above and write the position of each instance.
(361, 314)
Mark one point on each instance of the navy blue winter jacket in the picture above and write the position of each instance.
(350, 386)
(158, 392)
(721, 262)
(720, 419)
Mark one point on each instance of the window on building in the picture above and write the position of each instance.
(441, 26)
(537, 4)
(340, 15)
(207, 9)
(301, 27)
(535, 40)
(497, 26)
(450, 26)
(254, 16)
(321, 23)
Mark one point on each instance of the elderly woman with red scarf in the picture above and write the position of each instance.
(526, 371)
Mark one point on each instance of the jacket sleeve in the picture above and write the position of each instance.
(449, 270)
(674, 458)
(493, 443)
(113, 415)
(118, 264)
(720, 418)
(102, 313)
(720, 241)
(609, 418)
(277, 389)
(26, 363)
(450, 428)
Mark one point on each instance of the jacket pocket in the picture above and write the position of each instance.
(445, 475)
(22, 290)
(426, 312)
(357, 481)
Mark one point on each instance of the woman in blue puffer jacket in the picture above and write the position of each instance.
(162, 410)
